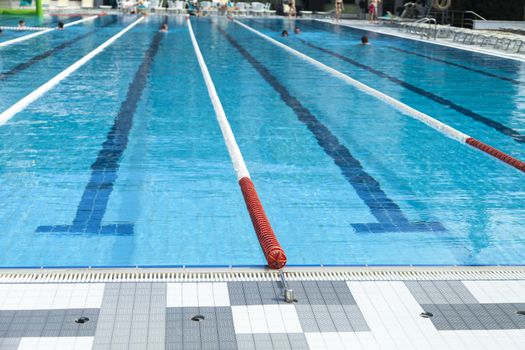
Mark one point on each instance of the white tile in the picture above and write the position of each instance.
(81, 343)
(56, 343)
(29, 343)
(197, 294)
(274, 319)
(315, 341)
(48, 343)
(366, 340)
(174, 295)
(497, 291)
(257, 319)
(205, 295)
(290, 318)
(350, 340)
(190, 296)
(220, 294)
(377, 320)
(66, 343)
(241, 319)
(51, 296)
(332, 341)
(490, 339)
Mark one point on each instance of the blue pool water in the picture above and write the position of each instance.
(123, 162)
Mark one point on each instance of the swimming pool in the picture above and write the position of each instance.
(345, 179)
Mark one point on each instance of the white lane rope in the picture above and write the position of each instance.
(43, 31)
(23, 29)
(405, 109)
(229, 138)
(36, 94)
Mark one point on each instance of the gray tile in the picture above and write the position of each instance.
(440, 292)
(270, 292)
(462, 292)
(298, 341)
(33, 323)
(307, 318)
(245, 342)
(435, 295)
(417, 291)
(343, 293)
(338, 315)
(281, 341)
(251, 293)
(356, 318)
(469, 315)
(328, 293)
(263, 342)
(313, 294)
(476, 316)
(317, 318)
(323, 318)
(216, 328)
(236, 293)
(9, 343)
(131, 314)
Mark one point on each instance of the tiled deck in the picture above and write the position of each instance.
(251, 314)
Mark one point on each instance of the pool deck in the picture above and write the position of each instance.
(336, 308)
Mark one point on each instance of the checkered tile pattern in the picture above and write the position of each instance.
(252, 315)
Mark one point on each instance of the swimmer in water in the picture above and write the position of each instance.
(60, 26)
(297, 30)
(364, 40)
(164, 28)
(284, 34)
(21, 24)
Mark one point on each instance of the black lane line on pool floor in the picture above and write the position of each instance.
(515, 135)
(94, 201)
(514, 81)
(389, 215)
(24, 65)
(317, 24)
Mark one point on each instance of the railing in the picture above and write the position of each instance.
(463, 19)
(475, 14)
(430, 21)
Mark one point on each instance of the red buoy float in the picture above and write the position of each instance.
(273, 252)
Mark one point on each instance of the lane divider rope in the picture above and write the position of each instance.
(36, 94)
(400, 106)
(275, 256)
(23, 28)
(44, 31)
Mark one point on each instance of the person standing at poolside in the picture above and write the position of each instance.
(339, 7)
(291, 8)
(372, 10)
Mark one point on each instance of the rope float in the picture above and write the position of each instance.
(516, 163)
(275, 255)
(23, 28)
(273, 252)
(400, 106)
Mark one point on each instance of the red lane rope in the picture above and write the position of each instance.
(516, 163)
(275, 255)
